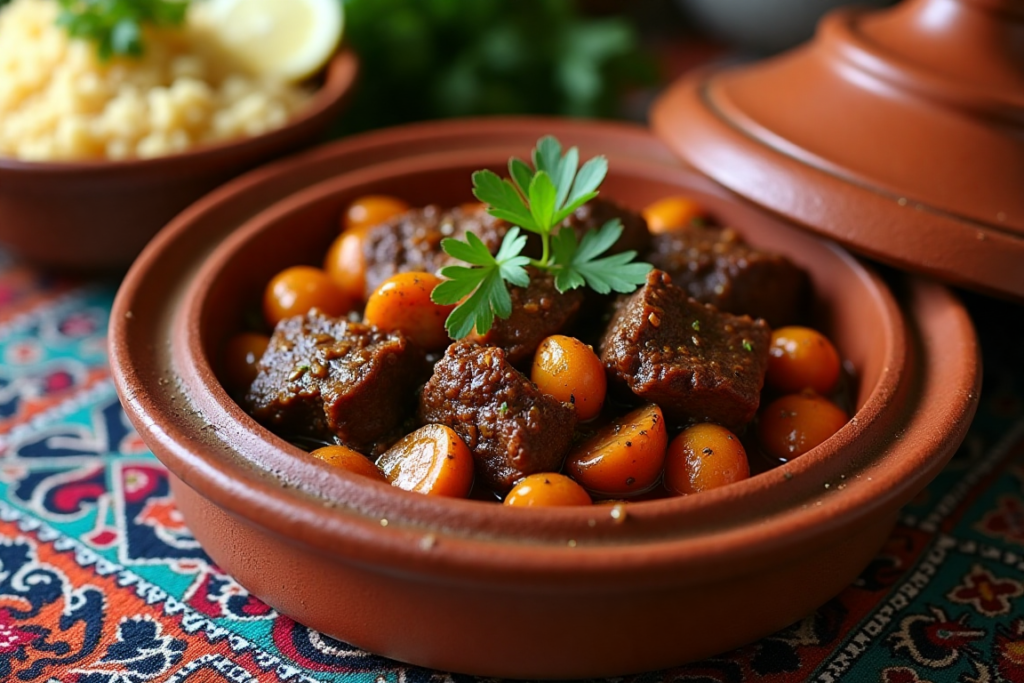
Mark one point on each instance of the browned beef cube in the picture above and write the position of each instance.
(697, 363)
(412, 241)
(512, 428)
(595, 213)
(717, 266)
(335, 380)
(538, 311)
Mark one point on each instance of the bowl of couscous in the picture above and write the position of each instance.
(98, 152)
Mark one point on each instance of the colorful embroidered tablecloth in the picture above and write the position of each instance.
(101, 582)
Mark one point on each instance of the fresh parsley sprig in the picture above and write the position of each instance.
(579, 264)
(483, 282)
(115, 26)
(536, 199)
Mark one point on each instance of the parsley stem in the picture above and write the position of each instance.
(544, 262)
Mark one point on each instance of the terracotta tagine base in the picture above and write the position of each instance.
(474, 587)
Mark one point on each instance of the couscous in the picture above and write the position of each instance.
(60, 102)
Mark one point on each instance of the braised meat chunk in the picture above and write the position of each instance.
(510, 426)
(538, 311)
(697, 363)
(335, 380)
(717, 266)
(412, 241)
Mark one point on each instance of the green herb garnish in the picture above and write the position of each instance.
(115, 26)
(484, 279)
(536, 199)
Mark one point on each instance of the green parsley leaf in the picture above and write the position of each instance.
(547, 155)
(542, 200)
(585, 187)
(126, 38)
(115, 26)
(575, 265)
(514, 200)
(478, 311)
(508, 257)
(472, 251)
(485, 282)
(504, 200)
(460, 283)
(566, 172)
(537, 200)
(521, 173)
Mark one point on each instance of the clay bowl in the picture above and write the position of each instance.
(474, 587)
(99, 215)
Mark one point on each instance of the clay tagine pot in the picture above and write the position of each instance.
(475, 587)
(899, 133)
(98, 215)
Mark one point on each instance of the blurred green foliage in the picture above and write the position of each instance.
(427, 59)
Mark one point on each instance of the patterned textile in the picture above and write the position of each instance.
(101, 582)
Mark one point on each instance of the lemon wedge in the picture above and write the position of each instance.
(289, 39)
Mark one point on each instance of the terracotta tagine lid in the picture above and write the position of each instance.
(899, 133)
